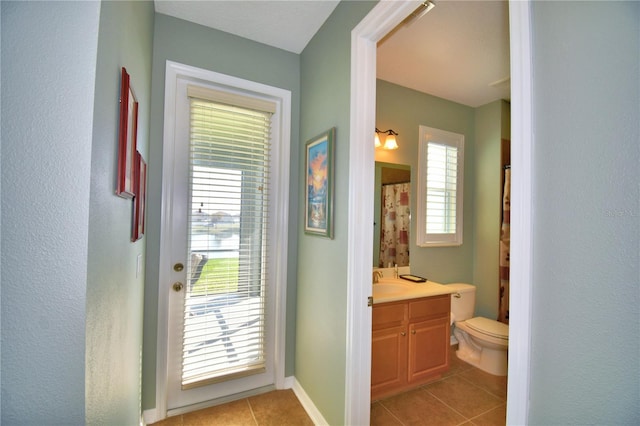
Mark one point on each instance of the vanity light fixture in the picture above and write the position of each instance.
(390, 141)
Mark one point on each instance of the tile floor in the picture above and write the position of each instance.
(279, 407)
(465, 395)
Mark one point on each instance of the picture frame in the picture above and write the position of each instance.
(319, 184)
(140, 198)
(127, 141)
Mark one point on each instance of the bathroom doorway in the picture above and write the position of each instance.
(374, 27)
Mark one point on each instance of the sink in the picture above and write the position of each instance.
(390, 288)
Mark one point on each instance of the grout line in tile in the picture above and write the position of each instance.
(466, 419)
(390, 412)
(482, 388)
(251, 411)
(482, 414)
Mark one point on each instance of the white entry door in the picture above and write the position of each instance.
(224, 292)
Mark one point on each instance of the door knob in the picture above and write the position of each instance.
(177, 286)
(178, 267)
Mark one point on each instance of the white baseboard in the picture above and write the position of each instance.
(307, 404)
(289, 382)
(149, 417)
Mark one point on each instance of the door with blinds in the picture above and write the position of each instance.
(221, 311)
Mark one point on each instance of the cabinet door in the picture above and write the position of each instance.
(428, 348)
(388, 360)
(389, 343)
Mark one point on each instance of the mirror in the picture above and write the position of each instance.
(392, 214)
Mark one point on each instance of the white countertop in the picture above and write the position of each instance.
(394, 289)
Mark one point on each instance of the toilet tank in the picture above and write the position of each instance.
(463, 301)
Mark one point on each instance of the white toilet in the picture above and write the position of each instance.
(482, 342)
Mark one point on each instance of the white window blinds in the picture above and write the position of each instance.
(224, 326)
(440, 185)
(442, 171)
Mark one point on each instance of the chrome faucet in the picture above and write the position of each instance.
(376, 276)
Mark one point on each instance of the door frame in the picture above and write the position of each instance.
(282, 97)
(379, 22)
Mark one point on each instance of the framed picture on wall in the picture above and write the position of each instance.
(127, 138)
(140, 199)
(319, 163)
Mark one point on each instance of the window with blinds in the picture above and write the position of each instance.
(440, 188)
(224, 311)
(442, 169)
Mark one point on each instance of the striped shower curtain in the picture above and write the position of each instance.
(505, 239)
(394, 237)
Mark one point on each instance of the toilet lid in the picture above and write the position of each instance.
(490, 327)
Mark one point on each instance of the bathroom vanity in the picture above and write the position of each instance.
(410, 335)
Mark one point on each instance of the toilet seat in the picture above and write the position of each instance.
(489, 327)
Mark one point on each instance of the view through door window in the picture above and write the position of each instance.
(224, 307)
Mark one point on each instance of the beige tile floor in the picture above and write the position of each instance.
(464, 396)
(279, 407)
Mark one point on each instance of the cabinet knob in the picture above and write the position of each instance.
(402, 333)
(413, 332)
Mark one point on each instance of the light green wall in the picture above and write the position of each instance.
(187, 43)
(585, 334)
(114, 290)
(487, 214)
(404, 110)
(476, 261)
(322, 263)
(505, 131)
(48, 81)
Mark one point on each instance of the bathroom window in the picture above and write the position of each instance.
(440, 188)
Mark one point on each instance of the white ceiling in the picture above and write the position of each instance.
(459, 51)
(288, 24)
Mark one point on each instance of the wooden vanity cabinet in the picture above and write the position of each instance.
(429, 337)
(389, 345)
(410, 343)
